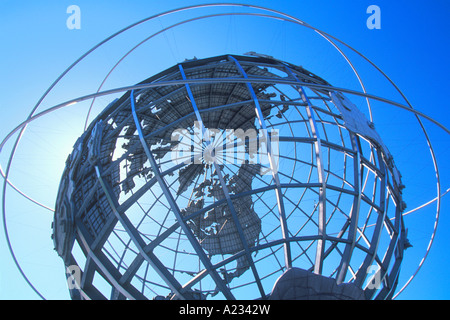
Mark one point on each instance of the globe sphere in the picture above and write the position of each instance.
(231, 177)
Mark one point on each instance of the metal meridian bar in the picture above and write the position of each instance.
(362, 272)
(321, 176)
(225, 189)
(381, 273)
(354, 215)
(279, 194)
(198, 249)
(322, 190)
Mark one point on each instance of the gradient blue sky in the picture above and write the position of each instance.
(411, 47)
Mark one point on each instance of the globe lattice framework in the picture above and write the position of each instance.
(140, 225)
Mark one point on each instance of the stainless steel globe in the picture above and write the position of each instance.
(231, 177)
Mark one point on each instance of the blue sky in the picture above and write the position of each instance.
(411, 47)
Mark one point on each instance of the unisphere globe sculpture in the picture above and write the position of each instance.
(231, 177)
